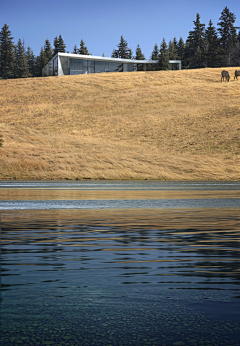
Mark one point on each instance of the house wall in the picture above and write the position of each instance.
(48, 69)
(67, 64)
(63, 66)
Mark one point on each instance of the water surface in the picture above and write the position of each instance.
(120, 263)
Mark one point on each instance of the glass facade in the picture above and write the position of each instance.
(65, 64)
(91, 66)
(78, 66)
(139, 67)
(55, 66)
(115, 67)
(174, 66)
(130, 67)
(101, 66)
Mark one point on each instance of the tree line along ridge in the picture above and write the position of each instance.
(205, 46)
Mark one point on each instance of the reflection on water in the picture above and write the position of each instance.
(144, 276)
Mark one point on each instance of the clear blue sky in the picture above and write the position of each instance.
(101, 23)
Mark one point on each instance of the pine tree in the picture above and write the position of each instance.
(22, 70)
(164, 56)
(83, 49)
(139, 56)
(55, 44)
(195, 41)
(31, 61)
(172, 51)
(180, 50)
(130, 54)
(59, 45)
(123, 51)
(48, 50)
(7, 56)
(75, 49)
(197, 60)
(235, 59)
(114, 53)
(212, 46)
(155, 53)
(41, 61)
(198, 33)
(175, 45)
(228, 34)
(15, 68)
(154, 56)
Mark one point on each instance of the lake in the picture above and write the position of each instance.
(120, 263)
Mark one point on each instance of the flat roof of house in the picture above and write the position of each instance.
(104, 58)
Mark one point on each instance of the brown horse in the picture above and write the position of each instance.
(225, 75)
(237, 73)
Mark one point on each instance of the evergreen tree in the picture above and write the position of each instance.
(31, 62)
(123, 51)
(130, 54)
(228, 34)
(195, 42)
(75, 49)
(235, 58)
(48, 50)
(212, 46)
(55, 44)
(198, 33)
(154, 56)
(155, 53)
(164, 56)
(172, 50)
(188, 51)
(15, 68)
(175, 43)
(181, 50)
(114, 53)
(7, 56)
(139, 56)
(59, 45)
(41, 61)
(83, 49)
(198, 58)
(22, 70)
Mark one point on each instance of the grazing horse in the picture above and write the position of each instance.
(225, 75)
(237, 73)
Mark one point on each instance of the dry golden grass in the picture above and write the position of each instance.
(178, 125)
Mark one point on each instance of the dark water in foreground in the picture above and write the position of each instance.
(120, 263)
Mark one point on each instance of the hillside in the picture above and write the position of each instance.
(178, 125)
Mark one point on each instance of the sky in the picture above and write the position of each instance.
(101, 23)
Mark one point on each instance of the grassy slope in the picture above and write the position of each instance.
(178, 125)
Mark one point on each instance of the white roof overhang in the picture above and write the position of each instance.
(103, 58)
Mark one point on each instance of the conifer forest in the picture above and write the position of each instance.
(205, 46)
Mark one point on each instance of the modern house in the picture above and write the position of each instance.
(71, 64)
